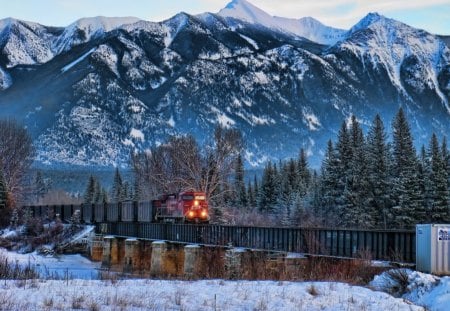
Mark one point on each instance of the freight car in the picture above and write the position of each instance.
(187, 206)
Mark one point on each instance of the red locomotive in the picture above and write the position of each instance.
(187, 206)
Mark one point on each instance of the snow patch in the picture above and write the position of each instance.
(222, 118)
(137, 134)
(311, 120)
(5, 79)
(251, 41)
(171, 122)
(81, 58)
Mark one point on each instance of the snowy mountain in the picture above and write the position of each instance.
(306, 27)
(101, 87)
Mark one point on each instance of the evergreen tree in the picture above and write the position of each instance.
(446, 159)
(90, 191)
(424, 173)
(268, 191)
(408, 208)
(344, 175)
(3, 192)
(329, 186)
(116, 191)
(97, 198)
(40, 186)
(239, 183)
(251, 198)
(126, 194)
(438, 184)
(378, 177)
(104, 198)
(303, 173)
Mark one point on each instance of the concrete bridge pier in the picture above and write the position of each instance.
(192, 254)
(159, 249)
(234, 259)
(132, 256)
(106, 256)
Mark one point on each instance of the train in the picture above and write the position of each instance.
(182, 207)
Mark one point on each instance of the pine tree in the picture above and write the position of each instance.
(344, 175)
(104, 198)
(303, 173)
(3, 192)
(90, 191)
(256, 188)
(378, 177)
(251, 202)
(268, 191)
(39, 186)
(424, 173)
(117, 187)
(329, 186)
(438, 184)
(446, 159)
(408, 208)
(239, 183)
(97, 198)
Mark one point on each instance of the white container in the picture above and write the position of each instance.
(433, 249)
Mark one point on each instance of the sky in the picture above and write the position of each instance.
(431, 15)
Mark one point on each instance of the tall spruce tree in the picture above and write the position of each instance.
(3, 192)
(239, 183)
(89, 194)
(303, 173)
(344, 176)
(424, 174)
(117, 187)
(446, 159)
(329, 186)
(408, 208)
(438, 184)
(268, 191)
(378, 166)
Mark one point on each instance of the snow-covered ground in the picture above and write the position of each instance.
(62, 266)
(145, 294)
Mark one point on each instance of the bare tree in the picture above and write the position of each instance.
(181, 164)
(16, 156)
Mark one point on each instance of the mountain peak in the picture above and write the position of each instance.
(306, 27)
(369, 20)
(244, 10)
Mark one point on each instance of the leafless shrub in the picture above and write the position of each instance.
(262, 305)
(48, 302)
(16, 156)
(312, 290)
(93, 306)
(77, 302)
(397, 282)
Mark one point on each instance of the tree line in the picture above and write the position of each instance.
(365, 181)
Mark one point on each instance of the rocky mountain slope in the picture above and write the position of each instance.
(100, 88)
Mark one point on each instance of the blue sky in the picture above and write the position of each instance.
(431, 15)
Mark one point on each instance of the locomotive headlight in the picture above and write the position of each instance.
(204, 214)
(191, 214)
(195, 203)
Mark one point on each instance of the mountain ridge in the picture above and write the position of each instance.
(99, 97)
